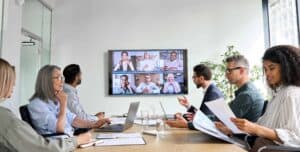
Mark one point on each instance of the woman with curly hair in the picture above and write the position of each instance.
(280, 124)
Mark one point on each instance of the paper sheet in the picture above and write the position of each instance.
(120, 139)
(221, 109)
(118, 135)
(202, 123)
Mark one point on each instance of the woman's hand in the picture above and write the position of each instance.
(84, 138)
(101, 122)
(245, 125)
(62, 97)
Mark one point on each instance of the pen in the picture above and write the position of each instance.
(91, 143)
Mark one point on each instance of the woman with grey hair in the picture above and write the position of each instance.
(48, 105)
(17, 135)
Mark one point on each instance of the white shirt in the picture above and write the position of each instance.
(74, 105)
(147, 65)
(283, 115)
(177, 64)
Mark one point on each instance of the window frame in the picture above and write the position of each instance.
(266, 21)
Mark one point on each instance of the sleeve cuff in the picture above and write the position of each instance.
(191, 126)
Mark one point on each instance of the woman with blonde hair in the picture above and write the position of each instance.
(17, 135)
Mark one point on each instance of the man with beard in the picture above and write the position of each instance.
(202, 78)
(72, 74)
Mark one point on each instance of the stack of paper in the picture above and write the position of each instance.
(205, 125)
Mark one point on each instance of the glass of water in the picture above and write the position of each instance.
(144, 119)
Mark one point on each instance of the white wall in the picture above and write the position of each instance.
(83, 31)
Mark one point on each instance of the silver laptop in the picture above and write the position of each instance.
(133, 108)
(167, 116)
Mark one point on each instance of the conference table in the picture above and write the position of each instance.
(172, 140)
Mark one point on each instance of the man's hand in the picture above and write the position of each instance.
(189, 116)
(180, 122)
(223, 128)
(183, 101)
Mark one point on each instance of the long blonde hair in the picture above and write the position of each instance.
(7, 79)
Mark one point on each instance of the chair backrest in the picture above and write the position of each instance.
(25, 115)
(264, 107)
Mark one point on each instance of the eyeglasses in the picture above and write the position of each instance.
(229, 70)
(60, 78)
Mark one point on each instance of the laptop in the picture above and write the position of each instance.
(133, 108)
(167, 116)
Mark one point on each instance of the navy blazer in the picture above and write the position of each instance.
(212, 93)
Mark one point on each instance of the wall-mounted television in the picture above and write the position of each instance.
(148, 72)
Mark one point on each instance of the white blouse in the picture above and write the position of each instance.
(283, 115)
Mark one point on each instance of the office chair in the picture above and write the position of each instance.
(25, 115)
(251, 139)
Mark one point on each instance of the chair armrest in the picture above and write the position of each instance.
(55, 135)
(278, 148)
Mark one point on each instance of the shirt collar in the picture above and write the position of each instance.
(70, 88)
(205, 89)
(277, 90)
(242, 88)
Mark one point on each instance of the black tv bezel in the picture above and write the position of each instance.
(110, 71)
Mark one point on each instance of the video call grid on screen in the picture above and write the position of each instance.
(148, 72)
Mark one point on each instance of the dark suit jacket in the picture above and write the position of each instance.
(212, 93)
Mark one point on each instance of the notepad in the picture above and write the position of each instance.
(110, 139)
(122, 141)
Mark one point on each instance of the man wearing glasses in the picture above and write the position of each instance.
(248, 102)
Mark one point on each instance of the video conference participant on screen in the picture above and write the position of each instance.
(171, 86)
(147, 64)
(173, 63)
(147, 87)
(125, 87)
(125, 63)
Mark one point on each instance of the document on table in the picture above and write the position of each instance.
(221, 109)
(120, 139)
(117, 135)
(202, 123)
